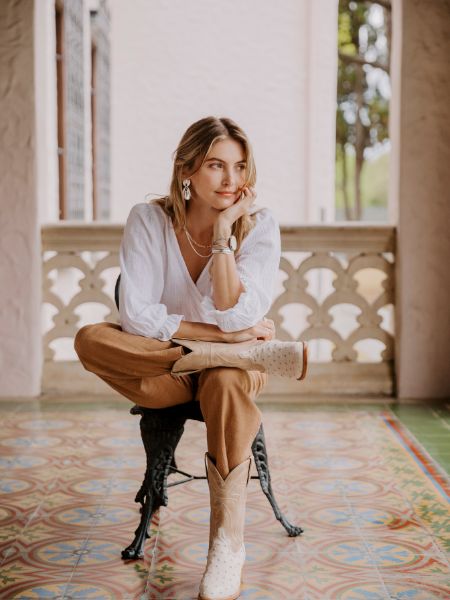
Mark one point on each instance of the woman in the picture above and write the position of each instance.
(197, 273)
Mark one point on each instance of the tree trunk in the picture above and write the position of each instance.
(388, 24)
(348, 213)
(359, 143)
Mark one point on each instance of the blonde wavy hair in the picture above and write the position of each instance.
(190, 155)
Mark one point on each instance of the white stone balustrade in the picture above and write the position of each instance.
(335, 290)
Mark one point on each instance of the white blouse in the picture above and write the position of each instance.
(157, 291)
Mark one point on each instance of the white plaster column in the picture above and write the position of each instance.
(20, 263)
(421, 152)
(88, 5)
(320, 111)
(46, 107)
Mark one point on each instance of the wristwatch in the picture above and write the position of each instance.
(231, 244)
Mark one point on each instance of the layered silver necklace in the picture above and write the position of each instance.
(191, 241)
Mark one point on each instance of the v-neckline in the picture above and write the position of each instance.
(182, 261)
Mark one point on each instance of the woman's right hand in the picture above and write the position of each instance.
(264, 330)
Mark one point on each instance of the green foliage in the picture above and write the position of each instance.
(374, 181)
(362, 114)
(345, 33)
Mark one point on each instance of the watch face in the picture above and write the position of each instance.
(232, 243)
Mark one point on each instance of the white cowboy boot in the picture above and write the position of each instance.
(288, 359)
(226, 555)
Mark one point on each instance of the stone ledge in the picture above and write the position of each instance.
(355, 379)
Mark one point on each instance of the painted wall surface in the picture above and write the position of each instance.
(271, 68)
(423, 274)
(20, 265)
(46, 121)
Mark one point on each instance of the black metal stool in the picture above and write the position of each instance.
(161, 430)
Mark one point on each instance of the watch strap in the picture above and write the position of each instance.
(222, 250)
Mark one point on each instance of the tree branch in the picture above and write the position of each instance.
(349, 58)
(383, 3)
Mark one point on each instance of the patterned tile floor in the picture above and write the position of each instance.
(373, 503)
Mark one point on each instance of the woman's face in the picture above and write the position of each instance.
(219, 181)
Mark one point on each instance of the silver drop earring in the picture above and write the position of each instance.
(186, 190)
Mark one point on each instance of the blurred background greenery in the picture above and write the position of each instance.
(362, 117)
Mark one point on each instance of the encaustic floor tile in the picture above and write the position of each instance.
(417, 588)
(372, 502)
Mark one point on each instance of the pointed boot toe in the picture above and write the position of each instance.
(286, 359)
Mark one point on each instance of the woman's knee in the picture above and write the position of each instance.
(220, 379)
(86, 337)
(228, 390)
(223, 378)
(227, 401)
(82, 338)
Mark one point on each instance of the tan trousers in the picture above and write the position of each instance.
(139, 368)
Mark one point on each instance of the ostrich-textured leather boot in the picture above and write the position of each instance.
(226, 555)
(288, 359)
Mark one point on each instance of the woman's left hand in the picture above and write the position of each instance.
(231, 214)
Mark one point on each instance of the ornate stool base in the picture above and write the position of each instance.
(161, 430)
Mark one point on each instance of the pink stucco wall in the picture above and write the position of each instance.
(20, 270)
(423, 162)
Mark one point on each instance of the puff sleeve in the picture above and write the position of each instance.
(142, 277)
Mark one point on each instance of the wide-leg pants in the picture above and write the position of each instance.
(139, 368)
